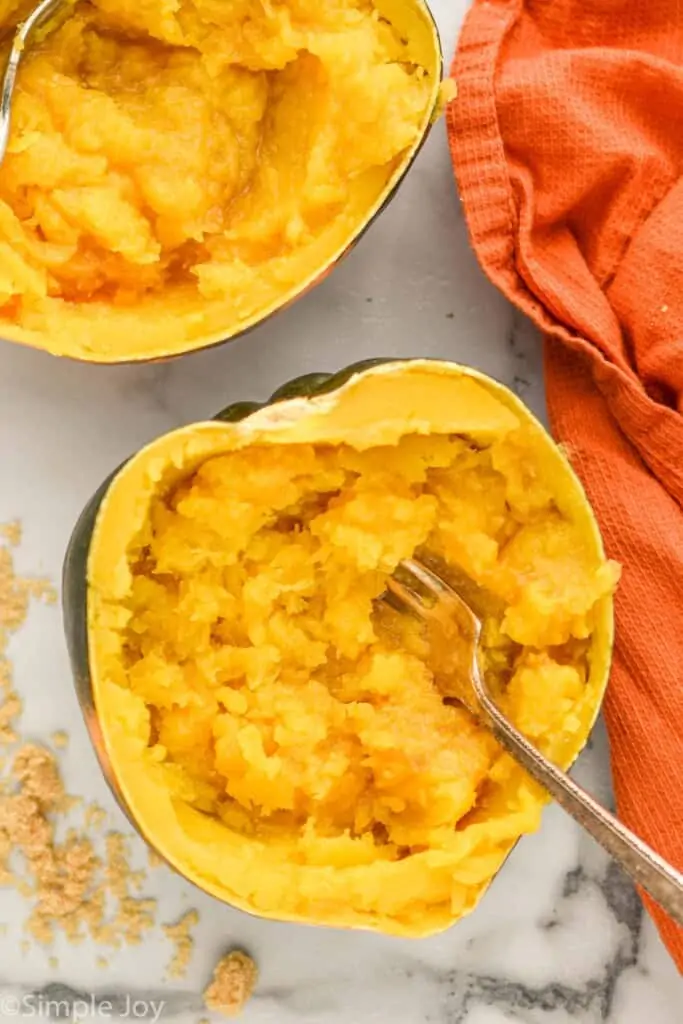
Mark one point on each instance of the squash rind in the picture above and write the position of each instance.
(310, 387)
(22, 336)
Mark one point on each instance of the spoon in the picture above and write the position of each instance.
(41, 14)
(452, 622)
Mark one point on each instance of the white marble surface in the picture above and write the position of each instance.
(560, 935)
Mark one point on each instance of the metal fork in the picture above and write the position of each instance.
(453, 625)
(39, 16)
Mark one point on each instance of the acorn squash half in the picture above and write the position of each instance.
(268, 724)
(172, 182)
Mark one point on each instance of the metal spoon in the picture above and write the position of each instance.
(453, 625)
(45, 10)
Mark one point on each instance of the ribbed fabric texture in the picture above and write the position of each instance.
(567, 143)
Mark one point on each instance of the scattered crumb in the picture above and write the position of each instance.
(153, 858)
(179, 934)
(569, 450)
(35, 770)
(61, 880)
(42, 590)
(137, 879)
(61, 874)
(3, 929)
(13, 599)
(234, 978)
(95, 816)
(448, 91)
(15, 594)
(72, 890)
(9, 711)
(66, 882)
(7, 876)
(203, 1020)
(134, 918)
(53, 962)
(11, 532)
(117, 870)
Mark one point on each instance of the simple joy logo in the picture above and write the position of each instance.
(81, 1009)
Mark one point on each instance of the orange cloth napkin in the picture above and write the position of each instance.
(567, 142)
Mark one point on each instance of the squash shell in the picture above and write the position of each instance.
(293, 398)
(414, 19)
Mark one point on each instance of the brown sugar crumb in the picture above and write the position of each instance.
(23, 888)
(11, 532)
(234, 979)
(10, 710)
(35, 770)
(40, 589)
(95, 816)
(21, 821)
(15, 594)
(137, 879)
(71, 889)
(61, 874)
(101, 962)
(60, 739)
(13, 598)
(447, 93)
(69, 883)
(53, 962)
(570, 451)
(134, 918)
(179, 934)
(153, 858)
(117, 870)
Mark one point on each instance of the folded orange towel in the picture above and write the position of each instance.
(567, 142)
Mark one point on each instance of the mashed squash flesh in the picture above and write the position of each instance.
(176, 169)
(294, 718)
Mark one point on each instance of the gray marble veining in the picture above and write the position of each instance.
(561, 937)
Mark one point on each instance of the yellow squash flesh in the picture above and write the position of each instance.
(275, 731)
(173, 180)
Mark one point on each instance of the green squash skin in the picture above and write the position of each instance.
(75, 569)
(75, 583)
(75, 619)
(307, 386)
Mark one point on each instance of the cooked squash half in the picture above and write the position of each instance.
(175, 178)
(273, 728)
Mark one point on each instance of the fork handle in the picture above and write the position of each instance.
(9, 79)
(659, 878)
